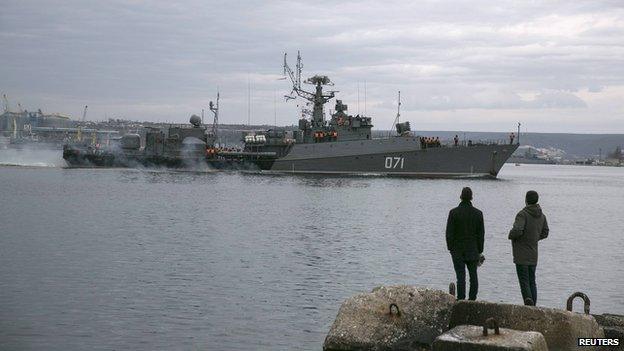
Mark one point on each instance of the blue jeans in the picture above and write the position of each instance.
(526, 278)
(460, 270)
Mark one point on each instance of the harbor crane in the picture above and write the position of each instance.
(5, 101)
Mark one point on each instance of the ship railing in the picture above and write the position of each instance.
(475, 142)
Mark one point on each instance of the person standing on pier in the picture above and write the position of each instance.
(464, 240)
(528, 229)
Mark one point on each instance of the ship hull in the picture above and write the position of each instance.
(401, 157)
(395, 157)
(82, 158)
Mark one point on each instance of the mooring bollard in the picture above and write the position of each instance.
(586, 301)
(490, 323)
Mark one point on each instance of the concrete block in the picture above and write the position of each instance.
(561, 329)
(472, 338)
(390, 318)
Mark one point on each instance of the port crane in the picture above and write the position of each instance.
(5, 101)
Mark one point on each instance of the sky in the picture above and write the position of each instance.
(554, 66)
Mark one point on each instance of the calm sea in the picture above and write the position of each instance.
(114, 259)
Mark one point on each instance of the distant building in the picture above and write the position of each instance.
(19, 123)
(531, 154)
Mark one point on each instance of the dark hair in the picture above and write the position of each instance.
(532, 197)
(466, 194)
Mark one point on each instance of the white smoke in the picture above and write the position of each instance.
(32, 158)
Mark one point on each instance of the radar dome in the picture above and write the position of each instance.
(195, 120)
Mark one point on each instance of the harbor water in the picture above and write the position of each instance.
(114, 259)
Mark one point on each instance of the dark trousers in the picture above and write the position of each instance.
(526, 278)
(460, 270)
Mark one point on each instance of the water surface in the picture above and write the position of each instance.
(113, 259)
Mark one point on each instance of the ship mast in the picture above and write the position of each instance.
(317, 98)
(215, 122)
(398, 116)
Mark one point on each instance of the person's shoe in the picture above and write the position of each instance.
(529, 302)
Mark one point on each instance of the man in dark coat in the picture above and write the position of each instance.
(529, 227)
(464, 240)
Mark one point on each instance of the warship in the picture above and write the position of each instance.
(344, 144)
(174, 146)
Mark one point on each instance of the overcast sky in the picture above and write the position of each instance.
(556, 66)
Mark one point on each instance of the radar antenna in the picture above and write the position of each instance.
(318, 98)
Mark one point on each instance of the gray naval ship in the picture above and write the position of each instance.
(344, 144)
(175, 146)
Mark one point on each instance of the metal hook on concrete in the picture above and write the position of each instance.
(452, 289)
(398, 312)
(490, 323)
(586, 301)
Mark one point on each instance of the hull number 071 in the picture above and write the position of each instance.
(394, 162)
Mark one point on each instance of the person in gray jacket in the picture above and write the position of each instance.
(528, 229)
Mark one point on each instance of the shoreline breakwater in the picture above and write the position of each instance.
(406, 317)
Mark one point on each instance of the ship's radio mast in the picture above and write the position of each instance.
(215, 110)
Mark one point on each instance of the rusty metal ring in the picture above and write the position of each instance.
(452, 289)
(586, 301)
(398, 312)
(491, 323)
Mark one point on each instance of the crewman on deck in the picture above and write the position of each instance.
(528, 229)
(464, 240)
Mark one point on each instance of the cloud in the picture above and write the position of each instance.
(160, 60)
